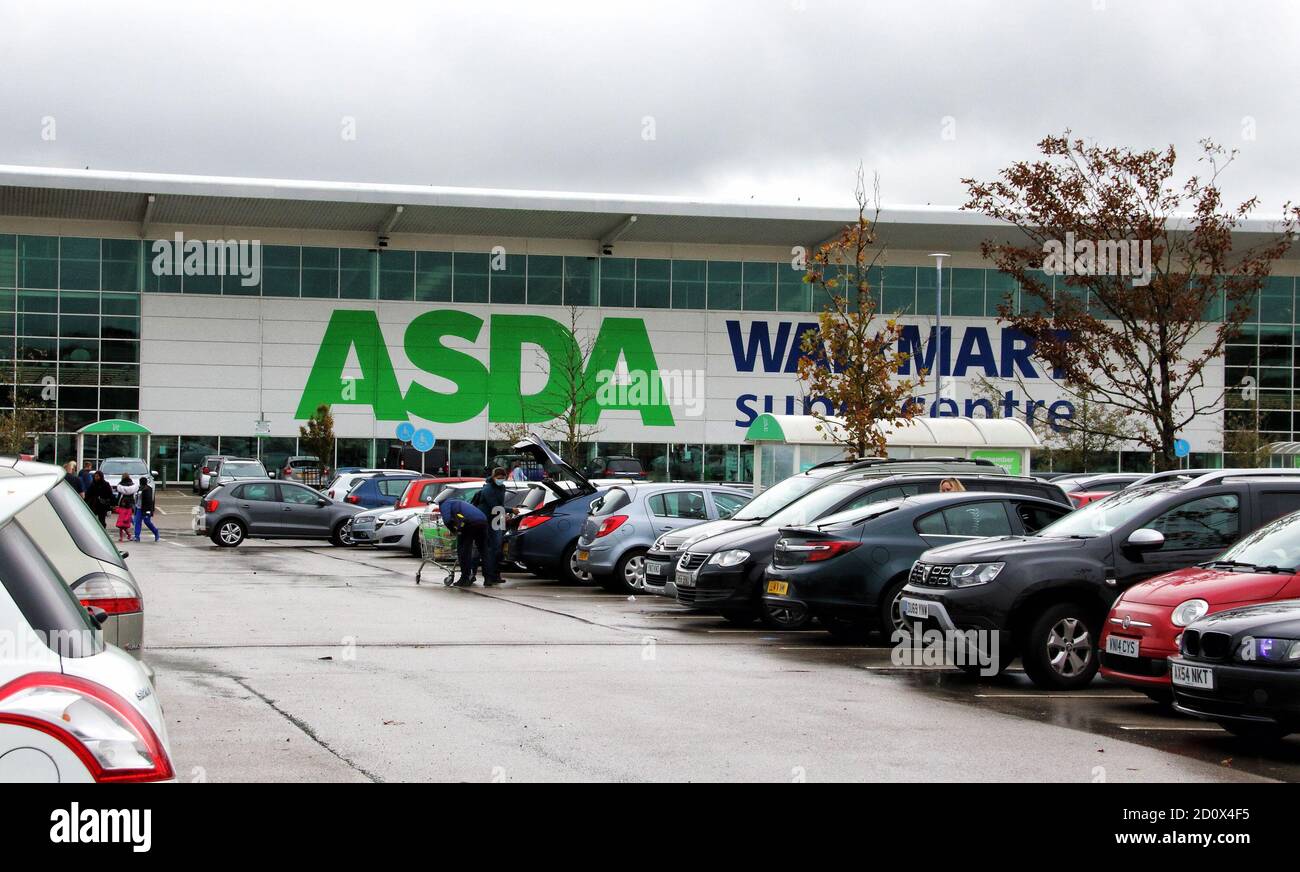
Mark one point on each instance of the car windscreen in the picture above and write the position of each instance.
(777, 497)
(456, 492)
(44, 598)
(1105, 516)
(814, 505)
(82, 525)
(243, 469)
(1276, 544)
(119, 467)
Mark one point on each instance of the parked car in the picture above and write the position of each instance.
(1241, 669)
(75, 542)
(1084, 489)
(1141, 632)
(663, 554)
(615, 466)
(397, 528)
(72, 707)
(203, 472)
(231, 469)
(1046, 596)
(848, 569)
(304, 468)
(724, 573)
(624, 521)
(420, 493)
(271, 510)
(544, 538)
(344, 483)
(377, 491)
(114, 468)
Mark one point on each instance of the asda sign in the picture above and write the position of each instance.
(354, 336)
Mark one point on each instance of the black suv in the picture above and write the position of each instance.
(1045, 596)
(724, 573)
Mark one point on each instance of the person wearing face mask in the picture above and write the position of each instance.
(492, 502)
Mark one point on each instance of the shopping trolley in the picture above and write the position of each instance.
(437, 546)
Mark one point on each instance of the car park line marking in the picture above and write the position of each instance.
(1171, 729)
(1133, 696)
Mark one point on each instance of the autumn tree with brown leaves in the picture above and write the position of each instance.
(852, 359)
(1141, 348)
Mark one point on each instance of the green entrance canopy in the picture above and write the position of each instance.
(114, 427)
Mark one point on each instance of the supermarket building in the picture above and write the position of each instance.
(218, 312)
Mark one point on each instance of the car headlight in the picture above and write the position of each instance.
(1269, 650)
(658, 544)
(971, 574)
(734, 557)
(1191, 610)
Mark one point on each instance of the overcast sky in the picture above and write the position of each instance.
(775, 100)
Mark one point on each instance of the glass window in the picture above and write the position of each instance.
(396, 274)
(121, 265)
(281, 270)
(618, 282)
(155, 281)
(689, 282)
(679, 504)
(793, 294)
(433, 276)
(320, 272)
(931, 525)
(43, 596)
(79, 303)
(357, 274)
(38, 261)
(581, 281)
(79, 326)
(120, 304)
(967, 291)
(82, 525)
(1035, 517)
(925, 295)
(78, 349)
(508, 285)
(1001, 290)
(653, 284)
(301, 496)
(79, 263)
(1210, 522)
(724, 285)
(262, 492)
(758, 286)
(119, 352)
(900, 289)
(545, 280)
(121, 328)
(727, 504)
(1275, 300)
(8, 260)
(211, 284)
(471, 277)
(977, 519)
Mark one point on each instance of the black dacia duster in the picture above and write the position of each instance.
(1045, 596)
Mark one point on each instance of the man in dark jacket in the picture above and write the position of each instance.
(100, 496)
(492, 500)
(469, 525)
(144, 508)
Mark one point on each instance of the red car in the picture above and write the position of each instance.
(421, 490)
(1084, 489)
(1144, 625)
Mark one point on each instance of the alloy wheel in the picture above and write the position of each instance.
(634, 572)
(1069, 647)
(230, 533)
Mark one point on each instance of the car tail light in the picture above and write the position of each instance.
(1078, 501)
(827, 550)
(608, 473)
(107, 733)
(529, 521)
(610, 524)
(353, 499)
(210, 505)
(113, 595)
(206, 471)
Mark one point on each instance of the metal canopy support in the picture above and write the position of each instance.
(617, 232)
(391, 221)
(145, 220)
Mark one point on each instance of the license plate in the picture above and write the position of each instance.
(916, 608)
(780, 588)
(654, 567)
(684, 579)
(1192, 676)
(583, 555)
(1121, 646)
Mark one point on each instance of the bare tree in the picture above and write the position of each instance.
(574, 391)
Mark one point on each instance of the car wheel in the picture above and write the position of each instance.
(341, 535)
(229, 533)
(415, 545)
(784, 616)
(570, 572)
(891, 610)
(629, 574)
(1060, 650)
(1262, 733)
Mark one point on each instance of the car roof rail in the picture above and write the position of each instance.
(869, 462)
(1169, 474)
(1210, 478)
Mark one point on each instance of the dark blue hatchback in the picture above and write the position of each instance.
(378, 491)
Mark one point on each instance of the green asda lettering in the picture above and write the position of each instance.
(496, 386)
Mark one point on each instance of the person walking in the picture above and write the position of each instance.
(100, 497)
(73, 480)
(87, 477)
(492, 501)
(126, 491)
(517, 472)
(469, 525)
(144, 509)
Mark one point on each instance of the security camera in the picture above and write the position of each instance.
(607, 250)
(383, 242)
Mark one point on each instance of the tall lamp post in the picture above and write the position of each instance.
(938, 327)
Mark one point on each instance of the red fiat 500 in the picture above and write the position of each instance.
(1144, 625)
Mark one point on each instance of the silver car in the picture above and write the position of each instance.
(622, 524)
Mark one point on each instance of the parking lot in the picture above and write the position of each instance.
(297, 661)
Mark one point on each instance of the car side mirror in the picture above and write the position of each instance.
(100, 616)
(1145, 539)
(322, 502)
(124, 554)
